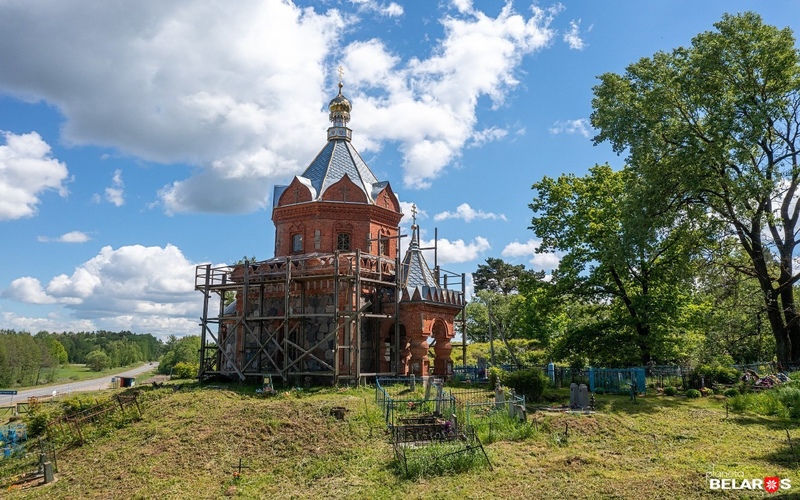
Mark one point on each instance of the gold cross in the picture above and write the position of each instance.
(414, 212)
(340, 70)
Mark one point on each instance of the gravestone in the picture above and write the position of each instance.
(583, 396)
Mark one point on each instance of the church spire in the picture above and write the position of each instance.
(340, 114)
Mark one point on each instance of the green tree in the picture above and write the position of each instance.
(98, 360)
(715, 125)
(498, 276)
(625, 262)
(180, 350)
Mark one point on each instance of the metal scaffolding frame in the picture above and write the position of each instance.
(358, 284)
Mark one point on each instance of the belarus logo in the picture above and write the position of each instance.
(772, 484)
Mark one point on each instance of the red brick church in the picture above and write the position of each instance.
(337, 301)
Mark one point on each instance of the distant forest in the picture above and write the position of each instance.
(27, 359)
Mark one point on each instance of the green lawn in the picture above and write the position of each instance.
(188, 443)
(78, 372)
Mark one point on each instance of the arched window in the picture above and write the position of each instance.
(297, 243)
(343, 241)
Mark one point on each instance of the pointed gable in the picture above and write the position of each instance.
(345, 190)
(298, 191)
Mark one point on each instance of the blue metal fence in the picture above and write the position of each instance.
(617, 379)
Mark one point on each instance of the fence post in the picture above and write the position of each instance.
(591, 379)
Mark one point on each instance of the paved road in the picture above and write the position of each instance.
(97, 384)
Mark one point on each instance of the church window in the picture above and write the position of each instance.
(317, 239)
(343, 241)
(297, 243)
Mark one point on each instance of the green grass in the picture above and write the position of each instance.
(78, 372)
(189, 442)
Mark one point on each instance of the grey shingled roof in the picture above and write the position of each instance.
(416, 272)
(337, 159)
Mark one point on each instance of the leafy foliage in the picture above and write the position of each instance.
(182, 369)
(184, 350)
(531, 383)
(712, 129)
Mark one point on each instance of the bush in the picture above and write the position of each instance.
(693, 394)
(496, 376)
(670, 391)
(599, 391)
(185, 370)
(790, 397)
(717, 373)
(530, 383)
(729, 393)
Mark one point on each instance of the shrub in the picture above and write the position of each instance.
(185, 370)
(37, 418)
(496, 375)
(740, 403)
(729, 393)
(599, 391)
(670, 391)
(717, 373)
(790, 397)
(706, 391)
(693, 394)
(530, 383)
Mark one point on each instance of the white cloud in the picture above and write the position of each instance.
(51, 323)
(167, 82)
(70, 237)
(408, 209)
(238, 92)
(29, 291)
(573, 36)
(468, 214)
(542, 261)
(463, 6)
(391, 9)
(146, 289)
(491, 134)
(458, 251)
(428, 105)
(116, 193)
(579, 126)
(27, 171)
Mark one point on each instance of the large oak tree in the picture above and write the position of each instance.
(715, 125)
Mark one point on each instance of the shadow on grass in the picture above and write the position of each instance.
(772, 423)
(785, 454)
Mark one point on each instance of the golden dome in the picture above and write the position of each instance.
(340, 107)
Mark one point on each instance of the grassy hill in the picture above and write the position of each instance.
(188, 444)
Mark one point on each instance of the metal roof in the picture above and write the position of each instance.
(337, 159)
(415, 271)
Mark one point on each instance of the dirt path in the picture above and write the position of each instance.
(97, 384)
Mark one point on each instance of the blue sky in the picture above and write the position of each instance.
(139, 139)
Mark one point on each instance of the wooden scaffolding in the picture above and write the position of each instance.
(330, 316)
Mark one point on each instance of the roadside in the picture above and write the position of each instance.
(97, 384)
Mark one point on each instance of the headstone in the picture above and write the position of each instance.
(48, 472)
(573, 395)
(583, 396)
